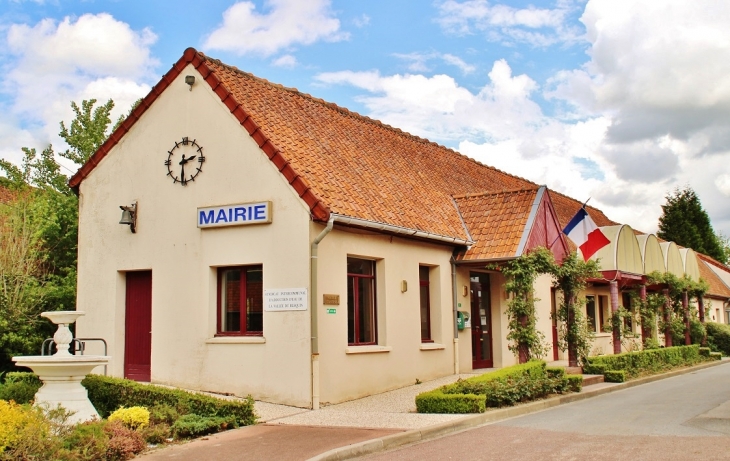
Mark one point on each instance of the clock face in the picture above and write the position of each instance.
(185, 161)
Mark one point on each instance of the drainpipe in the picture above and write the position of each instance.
(455, 308)
(313, 309)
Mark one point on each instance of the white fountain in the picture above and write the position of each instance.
(62, 372)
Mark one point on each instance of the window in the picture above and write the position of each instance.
(628, 320)
(361, 321)
(425, 291)
(591, 312)
(603, 313)
(240, 300)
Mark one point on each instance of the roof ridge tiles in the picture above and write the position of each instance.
(351, 113)
(495, 192)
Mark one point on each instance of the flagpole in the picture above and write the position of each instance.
(561, 231)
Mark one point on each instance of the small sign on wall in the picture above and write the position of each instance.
(331, 300)
(285, 299)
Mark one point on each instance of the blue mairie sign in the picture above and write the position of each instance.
(234, 215)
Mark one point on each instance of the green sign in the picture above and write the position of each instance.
(331, 311)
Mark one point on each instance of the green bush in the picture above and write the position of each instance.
(19, 391)
(555, 372)
(19, 387)
(22, 376)
(188, 426)
(508, 386)
(107, 394)
(718, 337)
(647, 362)
(594, 368)
(575, 382)
(697, 331)
(614, 376)
(715, 355)
(437, 402)
(705, 351)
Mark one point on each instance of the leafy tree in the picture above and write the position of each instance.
(686, 223)
(39, 233)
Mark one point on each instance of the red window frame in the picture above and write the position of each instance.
(244, 328)
(353, 284)
(425, 283)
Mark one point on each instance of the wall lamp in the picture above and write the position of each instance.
(129, 216)
(190, 80)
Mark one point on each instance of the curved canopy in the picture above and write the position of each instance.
(651, 253)
(623, 253)
(690, 263)
(672, 259)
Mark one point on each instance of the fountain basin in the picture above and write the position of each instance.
(61, 376)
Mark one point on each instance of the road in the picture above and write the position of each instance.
(681, 418)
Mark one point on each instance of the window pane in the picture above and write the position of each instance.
(351, 289)
(591, 312)
(361, 325)
(425, 327)
(628, 323)
(366, 314)
(231, 300)
(360, 266)
(425, 308)
(254, 299)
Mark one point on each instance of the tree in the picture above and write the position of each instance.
(39, 233)
(686, 223)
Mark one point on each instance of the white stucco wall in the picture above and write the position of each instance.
(349, 372)
(183, 258)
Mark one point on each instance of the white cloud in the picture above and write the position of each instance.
(501, 23)
(660, 72)
(52, 63)
(287, 61)
(361, 21)
(418, 62)
(286, 23)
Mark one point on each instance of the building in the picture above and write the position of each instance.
(288, 248)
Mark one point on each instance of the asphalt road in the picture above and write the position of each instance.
(682, 418)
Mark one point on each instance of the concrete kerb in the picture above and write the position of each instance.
(472, 421)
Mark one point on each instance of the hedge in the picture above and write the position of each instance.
(508, 386)
(646, 362)
(107, 394)
(718, 337)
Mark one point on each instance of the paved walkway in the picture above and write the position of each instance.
(361, 426)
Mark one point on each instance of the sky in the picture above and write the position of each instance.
(619, 101)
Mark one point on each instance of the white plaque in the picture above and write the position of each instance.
(285, 299)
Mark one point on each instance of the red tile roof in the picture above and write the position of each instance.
(338, 161)
(718, 288)
(496, 221)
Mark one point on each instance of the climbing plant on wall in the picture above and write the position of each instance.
(525, 340)
(676, 287)
(570, 278)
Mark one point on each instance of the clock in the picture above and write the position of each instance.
(185, 161)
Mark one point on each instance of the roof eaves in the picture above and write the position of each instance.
(530, 220)
(393, 229)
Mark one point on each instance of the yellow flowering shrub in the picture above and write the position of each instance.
(132, 417)
(13, 420)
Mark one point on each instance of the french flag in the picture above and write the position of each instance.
(585, 234)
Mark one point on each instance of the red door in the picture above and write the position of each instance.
(481, 322)
(138, 326)
(554, 316)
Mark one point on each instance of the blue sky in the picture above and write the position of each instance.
(617, 100)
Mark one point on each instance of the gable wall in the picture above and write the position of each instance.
(183, 258)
